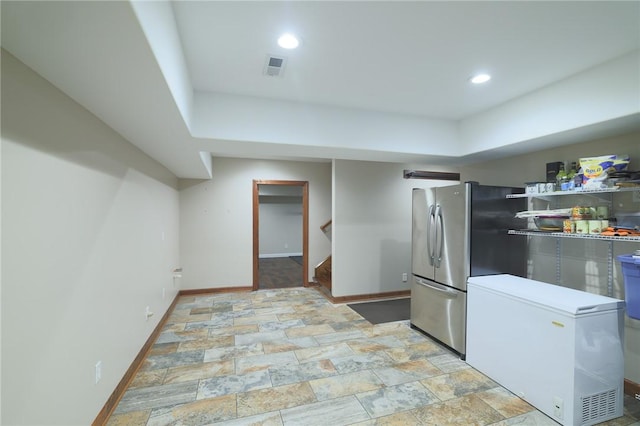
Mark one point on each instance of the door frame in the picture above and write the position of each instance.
(305, 226)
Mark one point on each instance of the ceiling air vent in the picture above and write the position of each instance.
(274, 66)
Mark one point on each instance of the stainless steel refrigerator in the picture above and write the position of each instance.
(460, 231)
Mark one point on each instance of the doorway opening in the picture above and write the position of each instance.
(271, 197)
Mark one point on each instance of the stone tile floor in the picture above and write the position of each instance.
(290, 357)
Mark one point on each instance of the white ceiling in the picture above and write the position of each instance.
(381, 81)
(412, 58)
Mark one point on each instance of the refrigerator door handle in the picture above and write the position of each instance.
(439, 236)
(438, 287)
(430, 229)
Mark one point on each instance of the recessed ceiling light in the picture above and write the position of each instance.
(288, 41)
(480, 78)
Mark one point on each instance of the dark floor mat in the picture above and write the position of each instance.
(384, 310)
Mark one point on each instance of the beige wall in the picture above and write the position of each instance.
(280, 226)
(216, 225)
(517, 170)
(371, 229)
(89, 239)
(583, 265)
(372, 226)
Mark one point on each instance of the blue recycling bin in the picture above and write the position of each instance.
(631, 271)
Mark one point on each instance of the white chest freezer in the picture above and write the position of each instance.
(561, 350)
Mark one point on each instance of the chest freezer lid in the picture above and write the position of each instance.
(573, 302)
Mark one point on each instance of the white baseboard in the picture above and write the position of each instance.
(266, 256)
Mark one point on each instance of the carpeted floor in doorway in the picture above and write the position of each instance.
(279, 272)
(384, 310)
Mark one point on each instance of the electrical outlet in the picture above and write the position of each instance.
(147, 313)
(98, 371)
(405, 277)
(558, 407)
(177, 274)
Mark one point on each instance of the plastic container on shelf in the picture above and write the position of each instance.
(631, 271)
